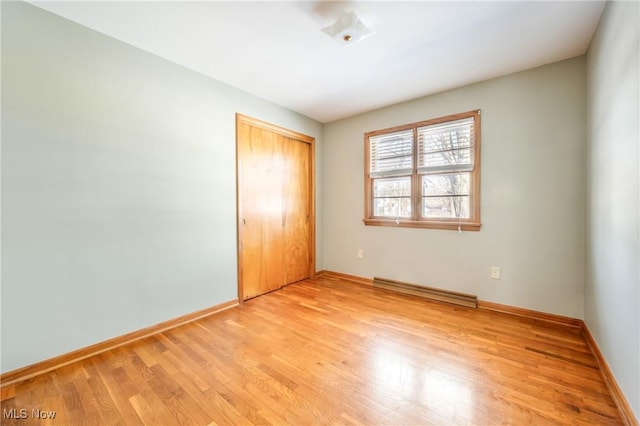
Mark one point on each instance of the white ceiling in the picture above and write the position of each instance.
(276, 50)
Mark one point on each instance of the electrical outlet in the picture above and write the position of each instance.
(360, 254)
(495, 272)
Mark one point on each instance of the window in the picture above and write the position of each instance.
(425, 175)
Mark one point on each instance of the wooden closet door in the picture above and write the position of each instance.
(262, 256)
(276, 221)
(297, 210)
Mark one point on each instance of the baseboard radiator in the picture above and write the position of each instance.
(431, 293)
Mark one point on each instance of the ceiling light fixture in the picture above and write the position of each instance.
(348, 30)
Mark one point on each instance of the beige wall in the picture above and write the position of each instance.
(612, 289)
(533, 149)
(118, 186)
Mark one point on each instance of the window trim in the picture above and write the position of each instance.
(471, 224)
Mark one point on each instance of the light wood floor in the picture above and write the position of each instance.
(329, 352)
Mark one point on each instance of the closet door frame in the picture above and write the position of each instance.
(244, 119)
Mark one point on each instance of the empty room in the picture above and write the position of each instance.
(301, 213)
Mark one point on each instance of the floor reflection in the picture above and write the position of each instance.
(407, 379)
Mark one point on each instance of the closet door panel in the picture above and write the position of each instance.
(297, 210)
(262, 204)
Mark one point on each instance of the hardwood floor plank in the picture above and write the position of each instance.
(117, 390)
(215, 406)
(328, 351)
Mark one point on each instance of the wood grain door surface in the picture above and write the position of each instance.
(296, 210)
(274, 206)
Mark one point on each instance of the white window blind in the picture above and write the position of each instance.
(391, 154)
(446, 147)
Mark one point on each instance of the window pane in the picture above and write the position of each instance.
(447, 184)
(446, 196)
(392, 207)
(392, 197)
(445, 207)
(392, 187)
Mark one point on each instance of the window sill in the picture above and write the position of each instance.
(465, 226)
